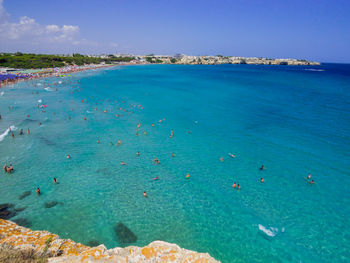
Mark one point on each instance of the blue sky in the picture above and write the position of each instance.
(311, 29)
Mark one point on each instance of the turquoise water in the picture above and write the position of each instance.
(292, 120)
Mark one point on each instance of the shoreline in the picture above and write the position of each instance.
(51, 248)
(49, 72)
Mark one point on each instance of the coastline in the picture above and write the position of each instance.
(49, 72)
(51, 248)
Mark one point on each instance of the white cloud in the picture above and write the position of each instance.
(29, 35)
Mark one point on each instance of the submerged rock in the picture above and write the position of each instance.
(93, 243)
(7, 211)
(24, 195)
(23, 222)
(124, 234)
(6, 206)
(51, 204)
(20, 209)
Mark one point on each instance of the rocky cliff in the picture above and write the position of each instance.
(57, 250)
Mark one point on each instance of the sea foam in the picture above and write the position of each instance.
(3, 135)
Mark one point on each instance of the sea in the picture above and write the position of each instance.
(227, 122)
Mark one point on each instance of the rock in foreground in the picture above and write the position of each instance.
(65, 250)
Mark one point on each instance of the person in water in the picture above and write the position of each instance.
(55, 180)
(137, 154)
(311, 182)
(156, 160)
(187, 176)
(173, 155)
(68, 156)
(119, 142)
(28, 131)
(238, 187)
(261, 180)
(309, 176)
(85, 118)
(98, 141)
(171, 134)
(38, 191)
(145, 194)
(262, 167)
(221, 159)
(234, 185)
(122, 163)
(21, 132)
(12, 135)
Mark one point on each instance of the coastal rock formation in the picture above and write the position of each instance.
(60, 250)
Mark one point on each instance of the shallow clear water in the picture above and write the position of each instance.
(292, 120)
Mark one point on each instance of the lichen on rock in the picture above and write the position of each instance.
(59, 250)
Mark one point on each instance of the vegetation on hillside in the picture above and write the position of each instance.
(25, 61)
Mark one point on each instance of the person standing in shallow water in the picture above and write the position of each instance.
(38, 191)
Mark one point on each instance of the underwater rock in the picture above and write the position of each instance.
(47, 141)
(6, 206)
(51, 204)
(24, 195)
(23, 222)
(93, 243)
(20, 209)
(124, 234)
(6, 214)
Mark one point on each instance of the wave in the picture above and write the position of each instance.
(313, 69)
(40, 101)
(3, 135)
(49, 89)
(2, 93)
(270, 231)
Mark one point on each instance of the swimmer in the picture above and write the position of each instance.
(311, 182)
(173, 155)
(85, 118)
(28, 131)
(232, 155)
(55, 180)
(105, 111)
(69, 117)
(138, 125)
(27, 115)
(262, 167)
(156, 160)
(137, 134)
(68, 156)
(40, 123)
(145, 133)
(189, 132)
(145, 194)
(21, 132)
(309, 176)
(137, 154)
(119, 142)
(122, 163)
(187, 176)
(171, 134)
(38, 191)
(221, 159)
(261, 180)
(5, 168)
(156, 178)
(234, 185)
(117, 115)
(152, 124)
(12, 135)
(238, 187)
(98, 141)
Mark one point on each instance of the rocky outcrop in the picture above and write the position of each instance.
(65, 250)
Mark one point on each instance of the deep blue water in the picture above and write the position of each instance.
(292, 120)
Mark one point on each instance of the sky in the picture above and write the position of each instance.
(304, 29)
